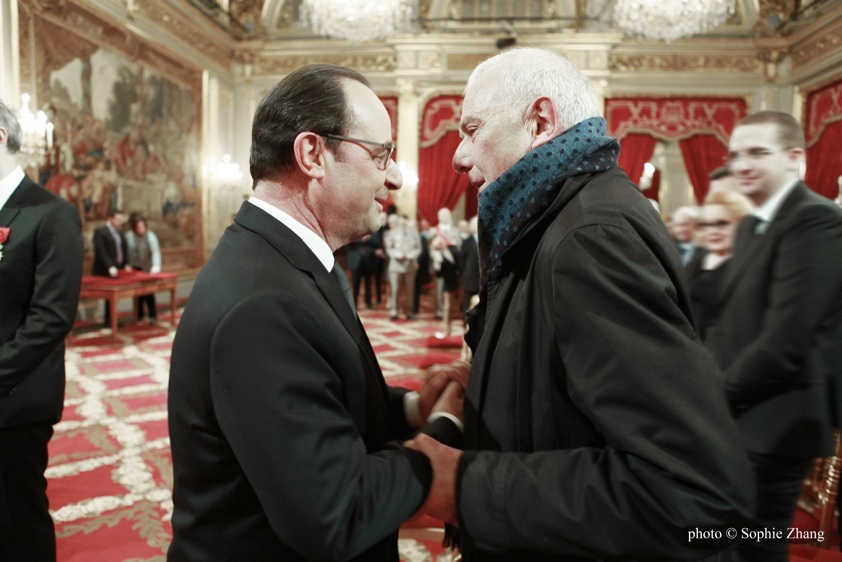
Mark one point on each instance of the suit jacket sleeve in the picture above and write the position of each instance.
(55, 295)
(103, 248)
(280, 404)
(635, 368)
(808, 276)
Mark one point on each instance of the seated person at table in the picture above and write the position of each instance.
(144, 255)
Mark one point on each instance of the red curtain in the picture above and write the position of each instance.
(438, 183)
(702, 154)
(700, 125)
(823, 129)
(635, 150)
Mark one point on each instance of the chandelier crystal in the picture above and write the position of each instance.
(357, 20)
(670, 20)
(37, 136)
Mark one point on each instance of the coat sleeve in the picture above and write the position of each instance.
(808, 280)
(55, 296)
(281, 406)
(633, 366)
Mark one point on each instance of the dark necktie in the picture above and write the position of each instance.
(343, 282)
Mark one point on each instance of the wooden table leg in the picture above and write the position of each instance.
(172, 306)
(113, 300)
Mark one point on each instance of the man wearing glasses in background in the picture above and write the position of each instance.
(280, 419)
(780, 332)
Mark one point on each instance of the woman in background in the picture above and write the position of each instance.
(144, 255)
(722, 210)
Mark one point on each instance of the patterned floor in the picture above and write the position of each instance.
(110, 475)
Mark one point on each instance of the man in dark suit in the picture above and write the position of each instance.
(594, 429)
(781, 320)
(111, 251)
(683, 223)
(280, 419)
(40, 276)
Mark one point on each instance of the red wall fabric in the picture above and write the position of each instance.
(679, 119)
(635, 150)
(438, 183)
(823, 132)
(702, 154)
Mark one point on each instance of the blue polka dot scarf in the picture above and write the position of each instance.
(522, 194)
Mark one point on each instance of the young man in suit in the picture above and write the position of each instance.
(40, 276)
(280, 420)
(594, 429)
(781, 321)
(111, 251)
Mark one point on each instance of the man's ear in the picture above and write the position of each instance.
(309, 149)
(543, 117)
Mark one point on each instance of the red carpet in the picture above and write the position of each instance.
(110, 471)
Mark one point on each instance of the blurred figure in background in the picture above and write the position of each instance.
(144, 255)
(422, 275)
(402, 244)
(446, 236)
(721, 178)
(469, 267)
(780, 329)
(722, 210)
(683, 229)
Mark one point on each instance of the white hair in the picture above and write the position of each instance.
(525, 74)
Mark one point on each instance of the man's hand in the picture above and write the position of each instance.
(456, 371)
(112, 271)
(441, 501)
(451, 400)
(436, 379)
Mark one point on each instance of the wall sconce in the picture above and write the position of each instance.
(37, 136)
(409, 174)
(646, 177)
(226, 172)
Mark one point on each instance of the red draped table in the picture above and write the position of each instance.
(129, 284)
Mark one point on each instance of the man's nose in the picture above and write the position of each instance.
(394, 178)
(461, 162)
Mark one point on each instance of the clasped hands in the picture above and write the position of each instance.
(443, 391)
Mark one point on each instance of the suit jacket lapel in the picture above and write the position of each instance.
(748, 245)
(297, 252)
(12, 207)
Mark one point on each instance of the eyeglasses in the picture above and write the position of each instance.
(716, 224)
(752, 154)
(381, 157)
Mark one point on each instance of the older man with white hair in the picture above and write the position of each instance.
(594, 426)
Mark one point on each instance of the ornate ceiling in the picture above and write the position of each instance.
(280, 19)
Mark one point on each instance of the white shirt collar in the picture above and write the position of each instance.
(9, 184)
(769, 209)
(316, 244)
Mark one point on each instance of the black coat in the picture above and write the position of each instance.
(40, 279)
(279, 416)
(469, 265)
(779, 339)
(595, 426)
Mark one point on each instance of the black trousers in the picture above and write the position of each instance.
(27, 532)
(147, 302)
(779, 484)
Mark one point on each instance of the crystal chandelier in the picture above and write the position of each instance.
(357, 20)
(670, 20)
(37, 136)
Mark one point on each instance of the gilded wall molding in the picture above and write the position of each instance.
(705, 63)
(816, 48)
(280, 65)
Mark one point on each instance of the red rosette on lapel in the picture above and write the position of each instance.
(4, 235)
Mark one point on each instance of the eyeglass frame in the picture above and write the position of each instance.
(753, 154)
(719, 225)
(390, 147)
